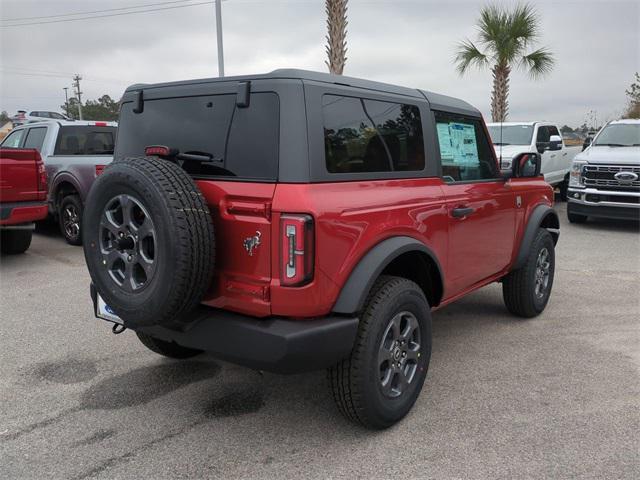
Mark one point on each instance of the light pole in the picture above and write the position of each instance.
(219, 38)
(66, 101)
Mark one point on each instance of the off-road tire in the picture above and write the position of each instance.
(14, 241)
(74, 202)
(576, 217)
(183, 248)
(518, 287)
(355, 381)
(167, 349)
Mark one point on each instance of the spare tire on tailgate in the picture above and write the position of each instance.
(148, 241)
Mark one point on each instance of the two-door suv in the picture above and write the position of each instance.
(295, 220)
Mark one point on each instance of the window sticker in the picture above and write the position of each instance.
(458, 143)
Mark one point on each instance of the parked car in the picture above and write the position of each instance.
(512, 138)
(295, 220)
(23, 196)
(605, 178)
(74, 153)
(23, 117)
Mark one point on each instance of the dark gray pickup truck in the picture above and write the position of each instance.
(74, 154)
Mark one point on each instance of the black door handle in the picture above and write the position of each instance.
(462, 212)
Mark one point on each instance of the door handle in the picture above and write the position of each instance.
(461, 212)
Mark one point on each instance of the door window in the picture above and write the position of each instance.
(35, 138)
(13, 140)
(543, 135)
(465, 151)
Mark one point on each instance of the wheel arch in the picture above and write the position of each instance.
(400, 256)
(63, 185)
(542, 216)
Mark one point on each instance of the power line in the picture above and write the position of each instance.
(53, 75)
(108, 15)
(90, 12)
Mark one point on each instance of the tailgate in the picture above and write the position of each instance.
(19, 175)
(241, 214)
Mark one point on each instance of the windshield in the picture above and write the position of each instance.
(511, 134)
(620, 135)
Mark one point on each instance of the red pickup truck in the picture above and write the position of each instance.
(23, 197)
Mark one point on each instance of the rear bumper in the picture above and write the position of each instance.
(273, 344)
(22, 212)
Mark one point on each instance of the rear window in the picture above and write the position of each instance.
(242, 142)
(85, 140)
(362, 135)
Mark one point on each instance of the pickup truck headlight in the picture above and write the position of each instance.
(575, 174)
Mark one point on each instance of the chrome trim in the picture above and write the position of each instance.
(595, 191)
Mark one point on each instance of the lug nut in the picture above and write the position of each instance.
(121, 234)
(130, 257)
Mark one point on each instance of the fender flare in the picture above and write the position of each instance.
(355, 290)
(540, 214)
(62, 177)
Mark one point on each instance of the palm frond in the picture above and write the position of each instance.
(538, 63)
(468, 55)
(523, 24)
(491, 25)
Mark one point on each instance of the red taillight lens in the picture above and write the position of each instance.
(100, 124)
(99, 169)
(158, 151)
(42, 177)
(296, 249)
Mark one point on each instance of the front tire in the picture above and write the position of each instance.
(526, 291)
(15, 241)
(167, 349)
(70, 219)
(377, 385)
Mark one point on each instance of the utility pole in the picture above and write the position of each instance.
(76, 80)
(66, 101)
(219, 38)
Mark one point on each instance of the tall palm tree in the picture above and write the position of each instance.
(504, 38)
(337, 35)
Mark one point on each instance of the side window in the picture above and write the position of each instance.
(465, 151)
(553, 130)
(35, 138)
(55, 115)
(543, 135)
(362, 135)
(13, 139)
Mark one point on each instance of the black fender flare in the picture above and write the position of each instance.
(355, 290)
(542, 214)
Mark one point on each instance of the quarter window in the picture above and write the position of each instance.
(362, 135)
(465, 151)
(13, 139)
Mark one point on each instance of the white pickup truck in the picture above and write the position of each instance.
(511, 138)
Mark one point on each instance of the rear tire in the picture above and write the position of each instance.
(167, 349)
(70, 219)
(15, 241)
(526, 291)
(377, 385)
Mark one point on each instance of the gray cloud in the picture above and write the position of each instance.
(412, 43)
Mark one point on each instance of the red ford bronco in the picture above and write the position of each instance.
(23, 194)
(296, 220)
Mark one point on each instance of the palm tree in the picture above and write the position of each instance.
(504, 38)
(337, 35)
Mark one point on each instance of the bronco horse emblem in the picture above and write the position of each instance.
(252, 242)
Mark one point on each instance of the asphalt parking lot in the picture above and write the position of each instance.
(557, 396)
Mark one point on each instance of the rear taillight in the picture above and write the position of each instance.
(159, 151)
(100, 124)
(296, 249)
(42, 177)
(99, 169)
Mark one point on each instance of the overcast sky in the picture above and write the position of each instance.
(411, 43)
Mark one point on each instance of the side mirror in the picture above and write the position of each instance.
(526, 165)
(555, 142)
(587, 142)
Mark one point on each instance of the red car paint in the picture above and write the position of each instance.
(349, 219)
(23, 186)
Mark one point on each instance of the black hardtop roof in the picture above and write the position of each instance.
(437, 101)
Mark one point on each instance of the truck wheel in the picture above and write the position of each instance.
(70, 219)
(167, 349)
(15, 241)
(148, 241)
(576, 217)
(380, 381)
(526, 291)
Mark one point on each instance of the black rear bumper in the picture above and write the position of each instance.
(602, 211)
(273, 344)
